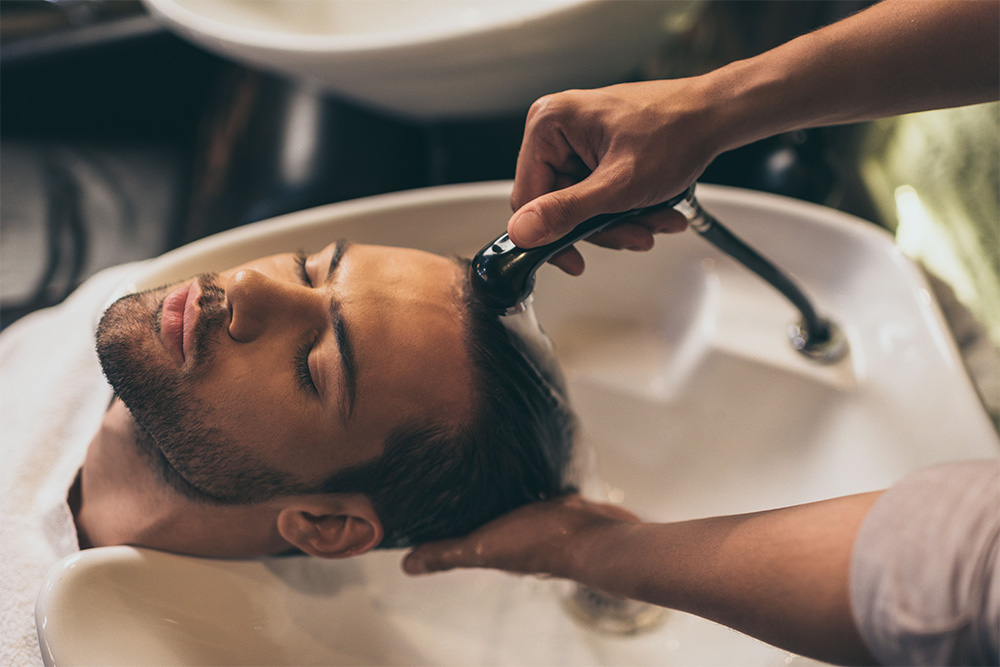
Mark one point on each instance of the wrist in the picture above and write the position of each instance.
(598, 556)
(750, 101)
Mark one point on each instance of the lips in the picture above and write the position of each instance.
(178, 320)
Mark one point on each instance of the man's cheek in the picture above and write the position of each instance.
(227, 392)
(242, 400)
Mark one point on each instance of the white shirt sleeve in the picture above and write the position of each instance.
(925, 571)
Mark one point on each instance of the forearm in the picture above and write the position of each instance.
(781, 576)
(637, 144)
(898, 56)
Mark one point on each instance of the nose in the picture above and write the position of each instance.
(261, 304)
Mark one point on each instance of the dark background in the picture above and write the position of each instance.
(119, 141)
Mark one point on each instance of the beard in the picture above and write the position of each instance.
(132, 355)
(173, 428)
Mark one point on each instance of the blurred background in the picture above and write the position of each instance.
(120, 140)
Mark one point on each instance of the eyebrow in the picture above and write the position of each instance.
(349, 376)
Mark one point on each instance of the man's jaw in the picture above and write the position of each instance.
(134, 353)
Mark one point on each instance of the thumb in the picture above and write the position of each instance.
(552, 215)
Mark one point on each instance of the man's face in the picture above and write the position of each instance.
(301, 364)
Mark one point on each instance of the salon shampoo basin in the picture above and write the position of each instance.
(430, 59)
(692, 403)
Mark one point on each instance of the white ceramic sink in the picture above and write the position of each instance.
(434, 58)
(692, 403)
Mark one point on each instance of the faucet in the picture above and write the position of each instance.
(815, 337)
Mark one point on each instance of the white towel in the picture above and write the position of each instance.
(52, 399)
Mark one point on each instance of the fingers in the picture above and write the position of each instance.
(550, 216)
(661, 221)
(624, 236)
(616, 512)
(569, 260)
(553, 215)
(435, 557)
(547, 159)
(538, 538)
(553, 198)
(634, 234)
(605, 150)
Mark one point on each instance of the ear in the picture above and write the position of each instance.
(331, 526)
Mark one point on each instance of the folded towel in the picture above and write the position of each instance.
(52, 399)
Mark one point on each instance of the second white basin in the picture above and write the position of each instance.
(434, 58)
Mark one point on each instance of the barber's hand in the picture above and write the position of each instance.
(541, 538)
(587, 152)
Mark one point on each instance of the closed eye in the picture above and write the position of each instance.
(300, 267)
(302, 373)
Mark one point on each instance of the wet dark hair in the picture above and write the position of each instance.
(435, 481)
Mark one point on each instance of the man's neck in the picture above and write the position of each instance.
(103, 496)
(119, 498)
(73, 499)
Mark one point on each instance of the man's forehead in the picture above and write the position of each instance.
(418, 270)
